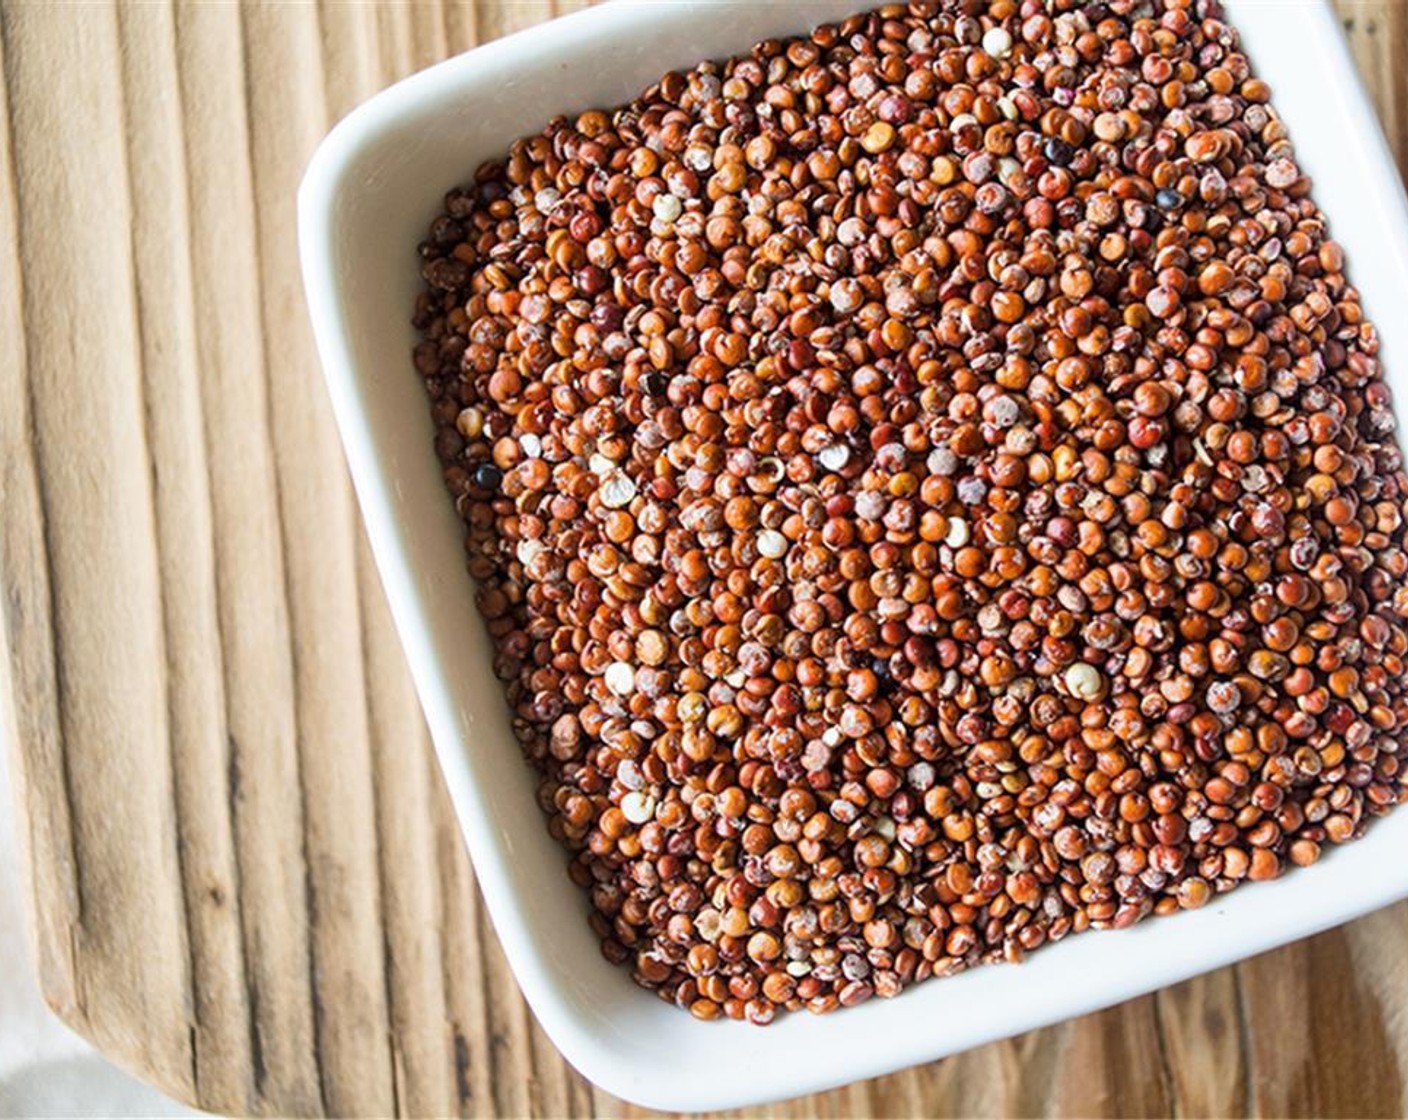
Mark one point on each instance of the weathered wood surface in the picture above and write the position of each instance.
(247, 885)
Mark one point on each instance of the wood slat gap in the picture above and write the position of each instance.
(1244, 1041)
(310, 901)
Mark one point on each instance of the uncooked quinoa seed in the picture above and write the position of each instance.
(931, 490)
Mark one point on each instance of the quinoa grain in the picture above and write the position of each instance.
(931, 490)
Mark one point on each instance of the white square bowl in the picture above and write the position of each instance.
(368, 197)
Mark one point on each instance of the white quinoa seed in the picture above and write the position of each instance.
(707, 922)
(1004, 411)
(772, 544)
(834, 457)
(617, 491)
(667, 207)
(698, 158)
(1084, 681)
(870, 505)
(958, 533)
(620, 678)
(638, 807)
(997, 41)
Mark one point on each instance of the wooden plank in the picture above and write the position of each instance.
(247, 882)
(1317, 1042)
(29, 704)
(1378, 39)
(1200, 1023)
(130, 974)
(221, 1040)
(286, 118)
(252, 610)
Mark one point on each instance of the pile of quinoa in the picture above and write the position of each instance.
(931, 491)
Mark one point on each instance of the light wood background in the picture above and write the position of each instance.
(246, 882)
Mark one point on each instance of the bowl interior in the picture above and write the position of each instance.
(369, 197)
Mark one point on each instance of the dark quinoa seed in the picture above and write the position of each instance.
(1057, 151)
(487, 476)
(931, 489)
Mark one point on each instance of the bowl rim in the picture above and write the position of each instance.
(333, 169)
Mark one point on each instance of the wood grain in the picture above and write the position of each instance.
(246, 883)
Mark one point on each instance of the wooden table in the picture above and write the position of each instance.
(246, 882)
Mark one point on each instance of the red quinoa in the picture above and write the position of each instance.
(932, 491)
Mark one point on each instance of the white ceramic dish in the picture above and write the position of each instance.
(370, 193)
